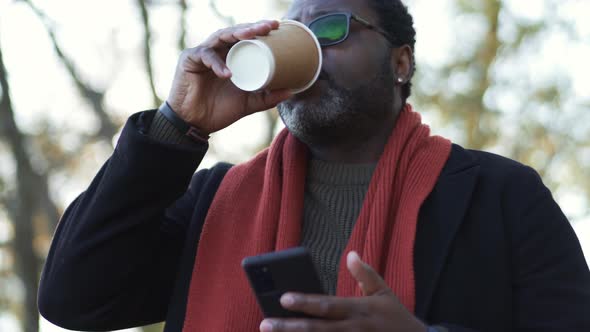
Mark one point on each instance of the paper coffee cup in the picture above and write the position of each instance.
(288, 58)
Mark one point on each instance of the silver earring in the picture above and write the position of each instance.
(400, 80)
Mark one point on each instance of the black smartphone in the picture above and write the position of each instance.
(273, 274)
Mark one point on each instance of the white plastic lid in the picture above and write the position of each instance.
(252, 65)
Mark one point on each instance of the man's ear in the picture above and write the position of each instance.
(402, 63)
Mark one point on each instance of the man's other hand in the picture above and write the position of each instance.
(378, 310)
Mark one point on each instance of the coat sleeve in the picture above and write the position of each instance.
(550, 276)
(115, 253)
(551, 280)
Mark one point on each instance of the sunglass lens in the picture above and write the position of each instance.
(330, 29)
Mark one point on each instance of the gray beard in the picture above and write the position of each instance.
(341, 114)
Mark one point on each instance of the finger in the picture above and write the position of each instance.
(200, 59)
(261, 101)
(265, 26)
(261, 28)
(222, 40)
(303, 325)
(213, 61)
(234, 34)
(228, 37)
(369, 280)
(252, 31)
(274, 24)
(322, 306)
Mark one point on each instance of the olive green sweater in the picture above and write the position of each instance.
(334, 194)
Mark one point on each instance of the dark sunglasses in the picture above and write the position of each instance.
(332, 29)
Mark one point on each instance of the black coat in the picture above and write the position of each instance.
(493, 250)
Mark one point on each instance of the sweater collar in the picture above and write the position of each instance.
(340, 174)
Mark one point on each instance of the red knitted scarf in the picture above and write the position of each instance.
(258, 208)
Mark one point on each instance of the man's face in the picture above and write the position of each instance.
(355, 90)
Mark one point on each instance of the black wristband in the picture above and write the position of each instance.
(182, 126)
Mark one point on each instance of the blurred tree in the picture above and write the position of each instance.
(94, 97)
(31, 207)
(23, 209)
(547, 127)
(147, 49)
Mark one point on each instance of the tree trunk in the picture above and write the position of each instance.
(23, 211)
(147, 50)
(95, 98)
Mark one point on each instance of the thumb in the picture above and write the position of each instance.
(369, 280)
(264, 100)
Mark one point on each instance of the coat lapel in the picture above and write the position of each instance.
(440, 218)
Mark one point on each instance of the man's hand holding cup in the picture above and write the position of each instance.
(202, 93)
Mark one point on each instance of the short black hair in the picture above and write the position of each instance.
(396, 20)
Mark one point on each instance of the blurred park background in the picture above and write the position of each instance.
(507, 76)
